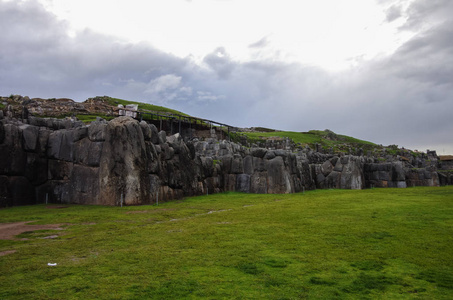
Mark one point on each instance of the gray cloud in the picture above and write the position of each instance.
(220, 61)
(425, 62)
(393, 13)
(260, 44)
(402, 99)
(423, 13)
(39, 58)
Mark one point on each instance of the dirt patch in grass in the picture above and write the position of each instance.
(9, 230)
(3, 253)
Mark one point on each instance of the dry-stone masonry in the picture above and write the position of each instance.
(65, 161)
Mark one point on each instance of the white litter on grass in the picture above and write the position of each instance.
(52, 264)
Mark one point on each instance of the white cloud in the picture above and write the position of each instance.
(186, 90)
(204, 96)
(163, 84)
(323, 32)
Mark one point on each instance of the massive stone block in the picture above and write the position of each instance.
(20, 191)
(352, 174)
(248, 165)
(36, 169)
(85, 190)
(97, 131)
(123, 167)
(243, 183)
(30, 137)
(87, 152)
(258, 183)
(278, 177)
(13, 158)
(61, 145)
(237, 166)
(2, 132)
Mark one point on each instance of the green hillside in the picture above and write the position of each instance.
(326, 139)
(143, 106)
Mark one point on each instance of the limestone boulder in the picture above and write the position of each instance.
(248, 164)
(326, 168)
(5, 197)
(258, 152)
(87, 152)
(352, 176)
(270, 154)
(259, 164)
(85, 190)
(237, 166)
(61, 145)
(36, 169)
(332, 180)
(258, 183)
(43, 140)
(304, 173)
(146, 129)
(2, 132)
(13, 157)
(243, 183)
(398, 173)
(278, 177)
(60, 170)
(30, 136)
(123, 169)
(97, 131)
(162, 135)
(20, 191)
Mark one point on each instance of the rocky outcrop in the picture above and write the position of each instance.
(130, 162)
(20, 107)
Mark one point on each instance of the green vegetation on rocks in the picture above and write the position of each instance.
(325, 139)
(323, 244)
(91, 118)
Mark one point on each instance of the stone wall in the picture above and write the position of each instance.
(65, 161)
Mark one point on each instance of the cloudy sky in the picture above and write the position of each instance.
(379, 70)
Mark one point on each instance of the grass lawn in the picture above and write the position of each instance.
(323, 244)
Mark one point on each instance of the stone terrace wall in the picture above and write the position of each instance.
(66, 161)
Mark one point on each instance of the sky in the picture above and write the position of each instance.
(378, 70)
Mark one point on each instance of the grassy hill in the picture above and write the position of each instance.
(323, 244)
(143, 106)
(326, 139)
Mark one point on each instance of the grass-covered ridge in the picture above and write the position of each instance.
(144, 106)
(324, 244)
(326, 139)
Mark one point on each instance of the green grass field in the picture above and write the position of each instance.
(323, 244)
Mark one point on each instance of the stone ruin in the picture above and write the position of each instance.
(66, 161)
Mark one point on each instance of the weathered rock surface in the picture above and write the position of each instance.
(130, 161)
